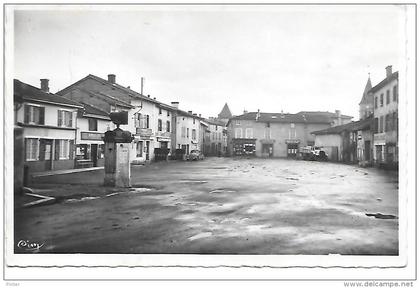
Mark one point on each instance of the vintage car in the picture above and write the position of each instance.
(195, 155)
(313, 153)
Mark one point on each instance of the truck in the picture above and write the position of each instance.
(313, 153)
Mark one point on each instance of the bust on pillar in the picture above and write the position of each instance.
(117, 153)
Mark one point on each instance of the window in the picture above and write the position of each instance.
(159, 124)
(168, 126)
(394, 93)
(34, 114)
(188, 132)
(376, 125)
(376, 102)
(65, 118)
(249, 133)
(64, 149)
(267, 133)
(387, 124)
(216, 127)
(382, 100)
(183, 131)
(238, 132)
(193, 120)
(395, 121)
(388, 98)
(147, 121)
(160, 111)
(139, 149)
(194, 134)
(237, 122)
(32, 149)
(381, 124)
(93, 124)
(167, 113)
(292, 125)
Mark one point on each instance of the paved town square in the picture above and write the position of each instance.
(219, 205)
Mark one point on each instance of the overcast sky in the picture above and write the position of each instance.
(271, 58)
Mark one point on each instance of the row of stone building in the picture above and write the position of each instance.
(64, 130)
(372, 140)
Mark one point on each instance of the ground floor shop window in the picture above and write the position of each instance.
(32, 149)
(101, 151)
(83, 152)
(64, 149)
(292, 150)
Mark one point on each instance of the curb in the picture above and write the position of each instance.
(44, 200)
(63, 172)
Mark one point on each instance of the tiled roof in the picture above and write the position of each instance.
(215, 122)
(324, 113)
(89, 109)
(384, 82)
(225, 113)
(23, 91)
(285, 117)
(352, 126)
(365, 98)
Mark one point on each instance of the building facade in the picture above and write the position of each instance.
(217, 138)
(149, 120)
(342, 142)
(49, 127)
(274, 134)
(385, 95)
(92, 123)
(365, 137)
(186, 133)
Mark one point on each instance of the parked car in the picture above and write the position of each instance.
(195, 155)
(313, 153)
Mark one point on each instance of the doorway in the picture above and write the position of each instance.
(46, 153)
(94, 154)
(147, 150)
(367, 151)
(292, 150)
(267, 149)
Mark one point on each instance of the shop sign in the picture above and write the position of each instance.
(91, 136)
(292, 141)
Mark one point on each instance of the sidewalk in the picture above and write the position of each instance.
(62, 172)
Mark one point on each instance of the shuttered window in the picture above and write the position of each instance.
(64, 118)
(34, 114)
(159, 124)
(238, 133)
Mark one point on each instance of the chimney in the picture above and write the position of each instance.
(195, 114)
(199, 115)
(388, 70)
(111, 78)
(148, 95)
(245, 111)
(44, 85)
(175, 104)
(190, 112)
(258, 115)
(338, 113)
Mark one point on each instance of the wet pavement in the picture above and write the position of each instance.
(220, 205)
